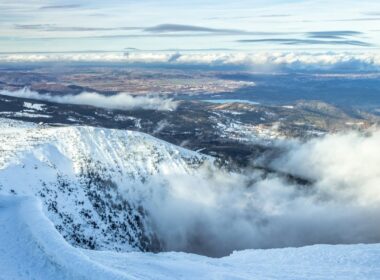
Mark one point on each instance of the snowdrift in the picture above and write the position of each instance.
(31, 248)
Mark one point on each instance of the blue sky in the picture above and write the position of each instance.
(60, 26)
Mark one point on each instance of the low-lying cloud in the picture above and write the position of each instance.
(343, 61)
(214, 212)
(121, 101)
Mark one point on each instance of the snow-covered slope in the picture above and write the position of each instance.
(90, 180)
(74, 204)
(31, 248)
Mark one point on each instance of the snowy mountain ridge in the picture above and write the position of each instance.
(75, 204)
(87, 179)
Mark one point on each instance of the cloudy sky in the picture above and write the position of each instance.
(114, 25)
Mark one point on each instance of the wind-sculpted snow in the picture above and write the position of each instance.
(31, 248)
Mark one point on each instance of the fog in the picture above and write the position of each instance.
(214, 212)
(121, 101)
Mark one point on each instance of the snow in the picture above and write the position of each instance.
(313, 262)
(43, 195)
(90, 180)
(249, 133)
(34, 106)
(31, 248)
(24, 114)
(288, 106)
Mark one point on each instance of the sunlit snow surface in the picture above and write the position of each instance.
(89, 179)
(31, 248)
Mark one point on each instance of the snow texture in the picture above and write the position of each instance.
(31, 248)
(70, 208)
(90, 180)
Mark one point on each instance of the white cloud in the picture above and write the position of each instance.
(343, 165)
(122, 101)
(287, 60)
(214, 212)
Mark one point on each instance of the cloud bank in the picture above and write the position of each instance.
(121, 101)
(343, 61)
(214, 212)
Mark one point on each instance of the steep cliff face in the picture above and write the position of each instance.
(92, 181)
